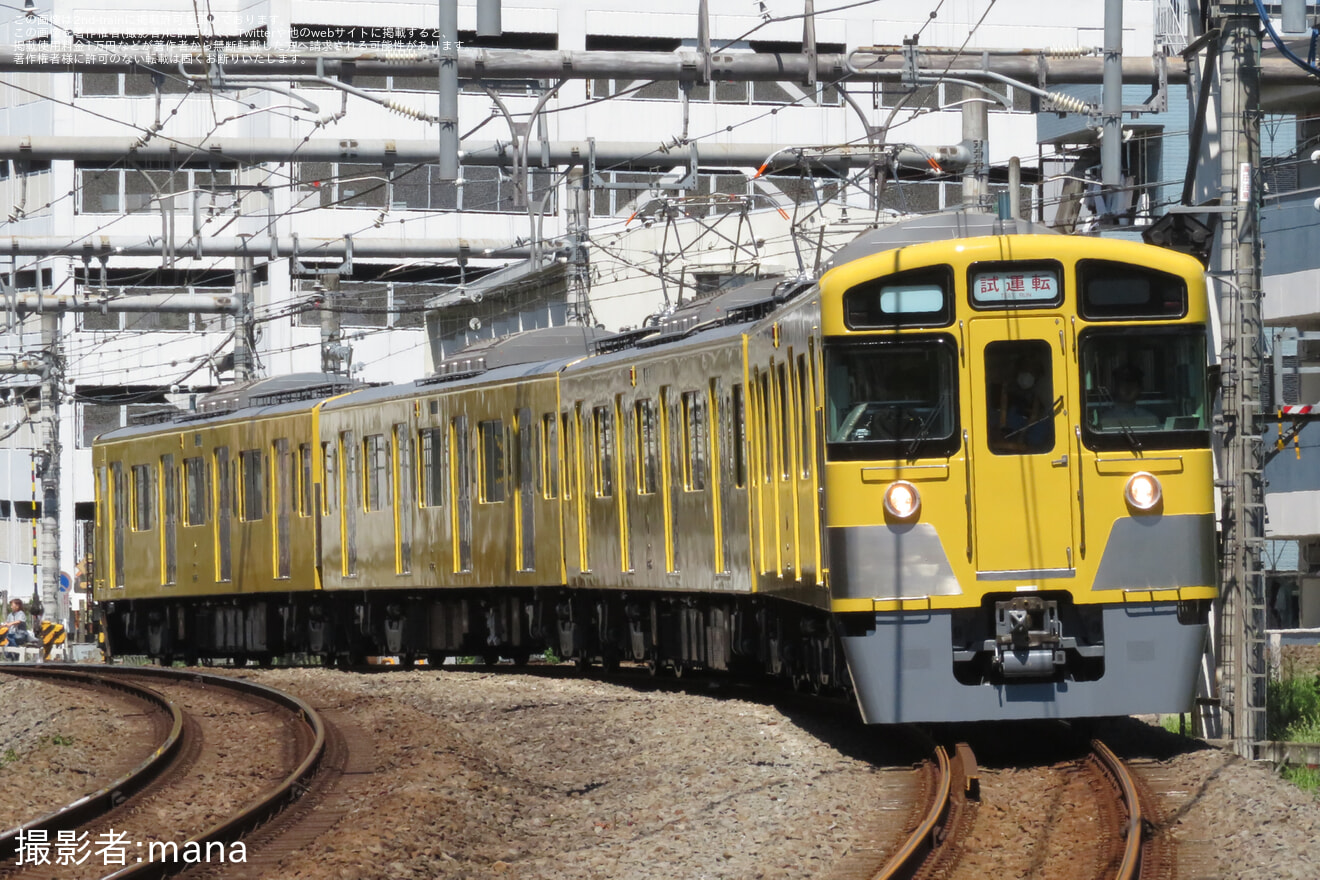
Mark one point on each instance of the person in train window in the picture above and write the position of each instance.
(1025, 416)
(1125, 413)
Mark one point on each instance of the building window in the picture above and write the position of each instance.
(479, 188)
(151, 186)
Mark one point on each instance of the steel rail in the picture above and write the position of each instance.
(89, 806)
(255, 813)
(1130, 867)
(929, 832)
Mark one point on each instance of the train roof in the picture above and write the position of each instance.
(932, 227)
(259, 398)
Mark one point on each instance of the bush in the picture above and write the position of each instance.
(1293, 707)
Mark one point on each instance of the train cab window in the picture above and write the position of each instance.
(252, 497)
(144, 498)
(891, 399)
(1016, 285)
(916, 298)
(433, 473)
(694, 441)
(1145, 388)
(491, 436)
(738, 408)
(1115, 291)
(603, 424)
(194, 491)
(377, 471)
(648, 447)
(1019, 394)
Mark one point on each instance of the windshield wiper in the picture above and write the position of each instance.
(925, 425)
(1124, 428)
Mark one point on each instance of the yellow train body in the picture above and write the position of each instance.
(966, 475)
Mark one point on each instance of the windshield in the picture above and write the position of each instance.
(891, 399)
(1145, 389)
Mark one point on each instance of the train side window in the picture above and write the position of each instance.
(491, 437)
(144, 498)
(252, 496)
(805, 408)
(785, 417)
(570, 453)
(604, 437)
(549, 456)
(1115, 291)
(377, 472)
(694, 441)
(194, 491)
(1020, 403)
(739, 438)
(648, 451)
(916, 298)
(329, 488)
(767, 438)
(350, 487)
(304, 479)
(434, 489)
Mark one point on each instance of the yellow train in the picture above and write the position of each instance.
(966, 473)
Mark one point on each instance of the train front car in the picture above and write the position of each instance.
(1018, 506)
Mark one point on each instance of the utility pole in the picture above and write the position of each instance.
(334, 354)
(1111, 100)
(975, 131)
(47, 456)
(1238, 276)
(243, 331)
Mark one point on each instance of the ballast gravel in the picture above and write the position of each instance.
(487, 773)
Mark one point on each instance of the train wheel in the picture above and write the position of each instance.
(652, 667)
(491, 658)
(436, 658)
(680, 669)
(521, 656)
(583, 663)
(609, 664)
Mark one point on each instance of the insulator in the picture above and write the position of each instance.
(1068, 103)
(405, 110)
(400, 56)
(1071, 51)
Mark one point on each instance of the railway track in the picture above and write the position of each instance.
(946, 826)
(237, 753)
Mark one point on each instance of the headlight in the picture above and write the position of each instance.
(1143, 491)
(902, 500)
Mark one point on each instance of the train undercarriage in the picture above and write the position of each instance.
(680, 633)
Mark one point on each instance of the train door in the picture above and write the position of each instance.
(224, 508)
(1022, 485)
(525, 470)
(461, 481)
